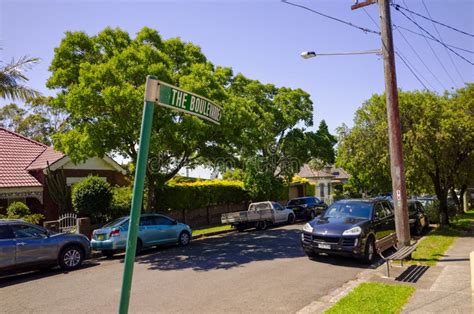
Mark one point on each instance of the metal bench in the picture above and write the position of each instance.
(399, 255)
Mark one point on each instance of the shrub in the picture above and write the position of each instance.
(121, 202)
(92, 197)
(19, 210)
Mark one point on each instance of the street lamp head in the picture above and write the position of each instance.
(308, 54)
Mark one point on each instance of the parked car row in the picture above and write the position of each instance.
(24, 246)
(360, 228)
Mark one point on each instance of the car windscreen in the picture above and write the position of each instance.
(352, 210)
(298, 201)
(115, 223)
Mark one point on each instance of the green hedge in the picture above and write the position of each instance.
(199, 194)
(92, 198)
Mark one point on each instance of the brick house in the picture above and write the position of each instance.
(325, 180)
(23, 164)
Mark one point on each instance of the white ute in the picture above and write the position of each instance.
(259, 215)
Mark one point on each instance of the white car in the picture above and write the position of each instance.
(259, 215)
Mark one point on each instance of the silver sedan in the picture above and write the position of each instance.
(23, 245)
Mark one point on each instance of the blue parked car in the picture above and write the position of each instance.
(24, 246)
(154, 230)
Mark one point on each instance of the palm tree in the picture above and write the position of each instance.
(12, 78)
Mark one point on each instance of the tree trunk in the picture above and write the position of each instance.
(461, 201)
(443, 210)
(151, 201)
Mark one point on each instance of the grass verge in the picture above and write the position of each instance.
(212, 229)
(434, 245)
(373, 297)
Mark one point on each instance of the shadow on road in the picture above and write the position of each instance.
(20, 277)
(235, 250)
(229, 251)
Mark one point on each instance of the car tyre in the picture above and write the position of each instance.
(291, 219)
(184, 238)
(311, 255)
(262, 225)
(139, 247)
(369, 252)
(240, 228)
(71, 257)
(418, 228)
(108, 253)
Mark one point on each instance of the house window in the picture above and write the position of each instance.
(329, 189)
(321, 189)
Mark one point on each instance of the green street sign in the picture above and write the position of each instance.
(170, 96)
(163, 94)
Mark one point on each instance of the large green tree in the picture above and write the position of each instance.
(438, 143)
(101, 81)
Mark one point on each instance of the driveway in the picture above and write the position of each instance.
(256, 271)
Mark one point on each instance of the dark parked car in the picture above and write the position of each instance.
(355, 227)
(23, 245)
(417, 217)
(306, 207)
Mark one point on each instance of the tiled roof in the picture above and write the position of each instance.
(16, 154)
(49, 155)
(336, 173)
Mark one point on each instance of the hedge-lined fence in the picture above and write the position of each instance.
(200, 194)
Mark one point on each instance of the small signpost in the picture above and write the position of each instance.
(162, 94)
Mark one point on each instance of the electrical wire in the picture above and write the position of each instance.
(411, 70)
(398, 7)
(441, 38)
(410, 67)
(365, 30)
(421, 35)
(436, 39)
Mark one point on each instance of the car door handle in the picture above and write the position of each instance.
(21, 243)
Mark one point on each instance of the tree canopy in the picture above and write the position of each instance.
(438, 143)
(101, 79)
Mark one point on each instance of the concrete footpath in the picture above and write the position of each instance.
(450, 291)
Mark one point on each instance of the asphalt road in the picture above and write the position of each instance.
(256, 271)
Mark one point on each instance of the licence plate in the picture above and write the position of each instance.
(100, 237)
(324, 246)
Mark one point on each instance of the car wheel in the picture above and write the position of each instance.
(262, 225)
(311, 255)
(71, 257)
(418, 228)
(291, 219)
(108, 253)
(312, 215)
(369, 252)
(184, 238)
(139, 247)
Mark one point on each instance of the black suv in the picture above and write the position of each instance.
(355, 227)
(306, 207)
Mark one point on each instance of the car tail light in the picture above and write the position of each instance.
(115, 233)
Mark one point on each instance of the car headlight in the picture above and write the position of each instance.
(353, 231)
(307, 227)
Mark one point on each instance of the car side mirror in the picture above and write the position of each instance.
(175, 222)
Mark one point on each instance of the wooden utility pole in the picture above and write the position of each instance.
(399, 194)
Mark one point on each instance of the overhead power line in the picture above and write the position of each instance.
(411, 70)
(441, 38)
(421, 35)
(409, 66)
(364, 29)
(429, 34)
(398, 7)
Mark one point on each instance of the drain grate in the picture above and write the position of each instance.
(412, 274)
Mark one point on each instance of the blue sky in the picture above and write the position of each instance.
(262, 39)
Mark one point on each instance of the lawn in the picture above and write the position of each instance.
(212, 229)
(434, 245)
(373, 297)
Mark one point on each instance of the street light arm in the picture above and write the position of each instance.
(312, 54)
